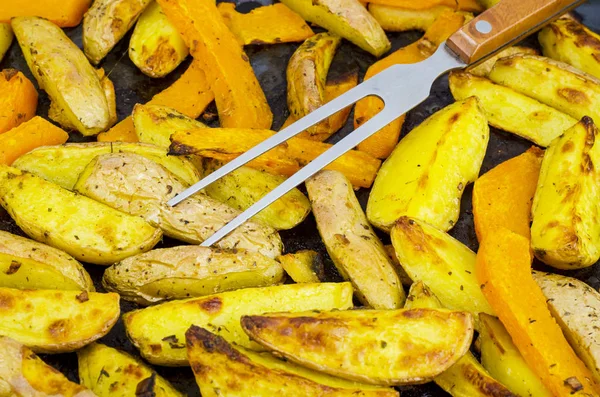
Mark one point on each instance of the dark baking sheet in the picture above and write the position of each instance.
(269, 63)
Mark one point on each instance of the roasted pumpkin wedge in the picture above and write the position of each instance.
(332, 342)
(50, 321)
(159, 331)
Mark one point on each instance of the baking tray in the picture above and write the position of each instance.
(269, 63)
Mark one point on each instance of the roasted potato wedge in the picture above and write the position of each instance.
(346, 18)
(63, 164)
(189, 271)
(510, 110)
(569, 41)
(50, 321)
(424, 178)
(565, 232)
(502, 197)
(6, 38)
(111, 96)
(576, 307)
(484, 68)
(23, 373)
(87, 230)
(467, 377)
(224, 369)
(355, 249)
(444, 264)
(26, 264)
(307, 76)
(156, 47)
(394, 19)
(159, 331)
(551, 82)
(154, 124)
(304, 266)
(56, 62)
(502, 359)
(106, 22)
(109, 372)
(136, 185)
(271, 24)
(245, 186)
(386, 334)
(391, 253)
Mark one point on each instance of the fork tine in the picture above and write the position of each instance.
(369, 87)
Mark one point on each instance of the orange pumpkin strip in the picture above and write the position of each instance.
(64, 13)
(225, 144)
(28, 136)
(504, 271)
(265, 25)
(18, 99)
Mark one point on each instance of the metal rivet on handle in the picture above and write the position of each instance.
(483, 27)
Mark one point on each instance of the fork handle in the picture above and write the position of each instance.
(504, 24)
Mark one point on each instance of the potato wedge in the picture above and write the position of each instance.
(189, 271)
(502, 197)
(464, 5)
(63, 164)
(224, 369)
(355, 249)
(245, 186)
(304, 266)
(6, 38)
(391, 253)
(26, 264)
(346, 18)
(50, 321)
(56, 62)
(109, 372)
(23, 373)
(565, 232)
(510, 110)
(444, 264)
(551, 82)
(484, 68)
(87, 230)
(502, 359)
(226, 144)
(307, 76)
(105, 24)
(154, 124)
(424, 178)
(240, 100)
(159, 331)
(466, 377)
(156, 47)
(190, 94)
(64, 13)
(395, 19)
(569, 41)
(18, 98)
(138, 186)
(271, 24)
(386, 334)
(111, 96)
(504, 270)
(576, 307)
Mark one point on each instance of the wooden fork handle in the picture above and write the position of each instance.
(504, 24)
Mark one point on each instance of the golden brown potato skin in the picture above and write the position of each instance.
(576, 307)
(136, 185)
(109, 372)
(352, 244)
(222, 369)
(50, 321)
(345, 18)
(27, 264)
(304, 266)
(336, 342)
(189, 271)
(106, 22)
(159, 331)
(6, 37)
(565, 232)
(23, 373)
